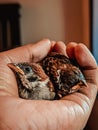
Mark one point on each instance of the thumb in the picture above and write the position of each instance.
(28, 53)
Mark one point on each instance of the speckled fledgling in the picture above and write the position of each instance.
(33, 83)
(64, 73)
(54, 77)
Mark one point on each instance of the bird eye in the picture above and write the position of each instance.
(27, 69)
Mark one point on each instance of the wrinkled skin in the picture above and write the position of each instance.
(69, 113)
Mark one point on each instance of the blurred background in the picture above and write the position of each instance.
(28, 21)
(66, 20)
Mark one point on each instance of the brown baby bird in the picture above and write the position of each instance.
(64, 73)
(33, 83)
(54, 77)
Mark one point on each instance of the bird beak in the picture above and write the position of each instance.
(15, 68)
(81, 84)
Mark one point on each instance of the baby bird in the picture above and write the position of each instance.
(33, 83)
(64, 73)
(52, 78)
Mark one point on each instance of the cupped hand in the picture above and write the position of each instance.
(70, 113)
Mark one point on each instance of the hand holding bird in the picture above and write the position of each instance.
(52, 78)
(44, 114)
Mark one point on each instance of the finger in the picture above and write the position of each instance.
(40, 50)
(70, 49)
(85, 60)
(59, 47)
(29, 52)
(83, 56)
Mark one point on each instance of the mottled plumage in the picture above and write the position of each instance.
(33, 83)
(64, 73)
(54, 77)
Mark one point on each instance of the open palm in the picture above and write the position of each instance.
(70, 113)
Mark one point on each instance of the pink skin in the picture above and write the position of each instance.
(70, 113)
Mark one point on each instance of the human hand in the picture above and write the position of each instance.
(71, 112)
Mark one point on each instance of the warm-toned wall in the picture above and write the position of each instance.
(40, 19)
(43, 20)
(65, 20)
(86, 23)
(77, 21)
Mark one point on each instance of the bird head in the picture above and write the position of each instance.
(30, 75)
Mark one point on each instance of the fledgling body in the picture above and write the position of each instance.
(64, 73)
